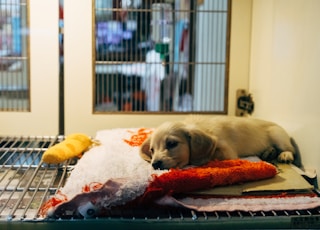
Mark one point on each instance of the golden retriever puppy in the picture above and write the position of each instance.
(198, 139)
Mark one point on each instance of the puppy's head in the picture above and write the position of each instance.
(176, 144)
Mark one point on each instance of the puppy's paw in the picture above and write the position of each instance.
(286, 157)
(269, 154)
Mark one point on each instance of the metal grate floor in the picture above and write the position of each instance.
(26, 182)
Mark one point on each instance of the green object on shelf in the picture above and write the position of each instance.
(163, 49)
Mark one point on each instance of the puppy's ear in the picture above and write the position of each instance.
(145, 150)
(202, 147)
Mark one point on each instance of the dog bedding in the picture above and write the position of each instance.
(114, 175)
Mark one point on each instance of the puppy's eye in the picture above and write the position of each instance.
(151, 151)
(171, 144)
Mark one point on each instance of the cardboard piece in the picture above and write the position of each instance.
(287, 180)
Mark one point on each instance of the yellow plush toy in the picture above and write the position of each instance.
(74, 145)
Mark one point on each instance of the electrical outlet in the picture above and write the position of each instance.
(245, 104)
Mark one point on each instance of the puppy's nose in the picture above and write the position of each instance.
(157, 165)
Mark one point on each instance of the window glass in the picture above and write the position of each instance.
(161, 56)
(14, 62)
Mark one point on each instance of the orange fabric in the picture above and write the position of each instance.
(52, 202)
(215, 173)
(138, 138)
(93, 186)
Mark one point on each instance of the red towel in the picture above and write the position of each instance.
(215, 173)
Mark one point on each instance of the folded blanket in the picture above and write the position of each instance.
(113, 174)
(245, 203)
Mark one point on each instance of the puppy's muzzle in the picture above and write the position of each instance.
(158, 165)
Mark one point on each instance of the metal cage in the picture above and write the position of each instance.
(161, 56)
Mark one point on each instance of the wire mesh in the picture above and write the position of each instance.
(26, 182)
(161, 56)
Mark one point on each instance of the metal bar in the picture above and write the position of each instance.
(4, 154)
(45, 191)
(14, 58)
(7, 171)
(65, 170)
(205, 215)
(25, 190)
(25, 149)
(50, 188)
(150, 10)
(23, 215)
(15, 187)
(169, 62)
(35, 190)
(24, 153)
